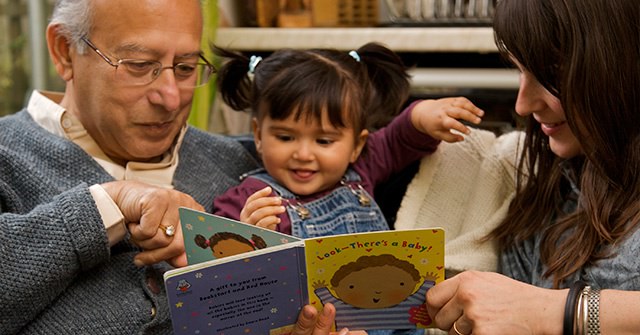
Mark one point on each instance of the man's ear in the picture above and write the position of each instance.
(361, 140)
(257, 136)
(60, 52)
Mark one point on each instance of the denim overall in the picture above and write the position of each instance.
(347, 209)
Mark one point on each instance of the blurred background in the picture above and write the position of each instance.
(448, 43)
(25, 64)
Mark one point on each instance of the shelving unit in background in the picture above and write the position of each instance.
(448, 61)
(465, 42)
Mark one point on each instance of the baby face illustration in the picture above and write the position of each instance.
(376, 287)
(230, 247)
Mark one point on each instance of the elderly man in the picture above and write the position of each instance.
(90, 184)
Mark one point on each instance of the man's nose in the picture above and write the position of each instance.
(167, 90)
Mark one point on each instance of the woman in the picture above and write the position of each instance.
(574, 219)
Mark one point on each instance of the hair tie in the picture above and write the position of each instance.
(253, 62)
(207, 243)
(355, 55)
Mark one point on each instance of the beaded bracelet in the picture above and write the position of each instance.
(592, 303)
(587, 312)
(570, 307)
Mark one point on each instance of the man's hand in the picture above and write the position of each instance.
(145, 209)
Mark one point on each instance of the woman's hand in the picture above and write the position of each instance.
(490, 303)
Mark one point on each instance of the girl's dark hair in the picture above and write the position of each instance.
(586, 53)
(306, 83)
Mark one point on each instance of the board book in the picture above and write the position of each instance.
(242, 279)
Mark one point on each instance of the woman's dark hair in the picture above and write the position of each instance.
(587, 54)
(361, 91)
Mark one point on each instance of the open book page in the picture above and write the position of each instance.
(259, 292)
(376, 280)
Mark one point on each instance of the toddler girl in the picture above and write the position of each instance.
(311, 111)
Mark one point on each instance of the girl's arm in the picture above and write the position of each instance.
(437, 118)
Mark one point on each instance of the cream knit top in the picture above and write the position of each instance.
(465, 188)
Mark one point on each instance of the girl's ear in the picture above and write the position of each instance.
(257, 135)
(361, 140)
(60, 52)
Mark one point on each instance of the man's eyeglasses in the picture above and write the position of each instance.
(141, 72)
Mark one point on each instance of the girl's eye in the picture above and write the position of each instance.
(284, 138)
(324, 141)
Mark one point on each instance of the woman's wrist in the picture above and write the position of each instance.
(550, 308)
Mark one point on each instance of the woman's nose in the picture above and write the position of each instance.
(530, 95)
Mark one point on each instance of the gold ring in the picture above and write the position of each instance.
(168, 230)
(455, 329)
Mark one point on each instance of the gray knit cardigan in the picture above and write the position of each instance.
(57, 272)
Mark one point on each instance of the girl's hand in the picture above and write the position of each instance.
(310, 322)
(262, 209)
(438, 118)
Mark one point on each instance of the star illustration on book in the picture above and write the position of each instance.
(179, 304)
(189, 226)
(274, 310)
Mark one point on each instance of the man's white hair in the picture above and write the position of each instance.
(74, 19)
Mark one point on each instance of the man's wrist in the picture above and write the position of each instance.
(112, 217)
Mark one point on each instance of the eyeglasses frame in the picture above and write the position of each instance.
(211, 68)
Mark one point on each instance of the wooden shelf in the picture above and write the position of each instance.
(418, 40)
(423, 39)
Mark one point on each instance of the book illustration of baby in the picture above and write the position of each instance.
(377, 291)
(225, 244)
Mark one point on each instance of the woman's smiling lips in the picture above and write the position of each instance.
(550, 129)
